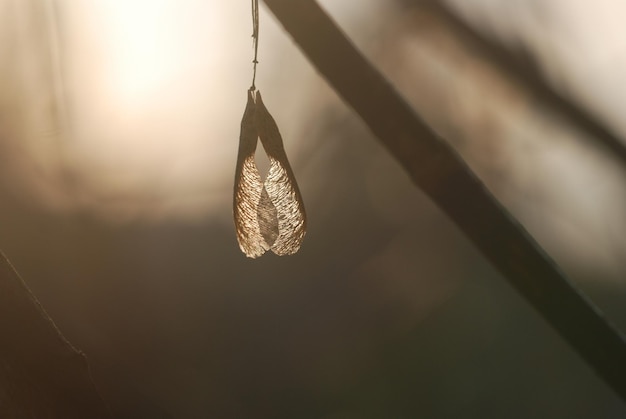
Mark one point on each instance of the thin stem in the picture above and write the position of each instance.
(255, 40)
(46, 376)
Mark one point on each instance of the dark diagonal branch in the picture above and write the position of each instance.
(441, 173)
(41, 374)
(527, 75)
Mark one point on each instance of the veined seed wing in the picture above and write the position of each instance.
(248, 188)
(268, 214)
(280, 184)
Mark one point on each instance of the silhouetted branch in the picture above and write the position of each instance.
(437, 169)
(526, 74)
(42, 376)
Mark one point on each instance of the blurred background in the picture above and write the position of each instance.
(119, 125)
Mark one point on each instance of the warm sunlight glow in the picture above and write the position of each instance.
(132, 109)
(145, 48)
(154, 117)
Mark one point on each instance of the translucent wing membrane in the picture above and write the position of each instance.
(269, 214)
(268, 218)
(281, 185)
(248, 188)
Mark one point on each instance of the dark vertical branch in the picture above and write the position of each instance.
(442, 174)
(41, 374)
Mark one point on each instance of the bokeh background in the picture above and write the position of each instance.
(119, 124)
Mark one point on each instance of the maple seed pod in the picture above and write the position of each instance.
(268, 214)
(248, 187)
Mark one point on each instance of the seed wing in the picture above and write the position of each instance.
(281, 186)
(248, 188)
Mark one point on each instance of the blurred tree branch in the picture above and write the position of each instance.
(438, 171)
(42, 376)
(520, 69)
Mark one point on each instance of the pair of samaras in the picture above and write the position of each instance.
(269, 214)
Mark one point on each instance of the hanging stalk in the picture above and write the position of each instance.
(269, 213)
